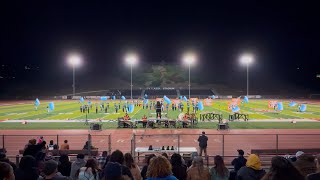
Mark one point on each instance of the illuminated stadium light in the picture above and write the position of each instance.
(74, 60)
(189, 59)
(247, 59)
(131, 59)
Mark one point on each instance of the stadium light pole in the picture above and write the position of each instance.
(189, 59)
(74, 60)
(131, 59)
(247, 59)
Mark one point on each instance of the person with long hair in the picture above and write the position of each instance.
(64, 166)
(6, 171)
(89, 171)
(282, 169)
(160, 169)
(178, 169)
(134, 168)
(27, 169)
(219, 170)
(197, 171)
(145, 168)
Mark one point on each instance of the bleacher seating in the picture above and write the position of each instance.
(153, 93)
(196, 92)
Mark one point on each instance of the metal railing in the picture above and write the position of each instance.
(225, 145)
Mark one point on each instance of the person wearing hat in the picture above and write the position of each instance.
(50, 171)
(252, 170)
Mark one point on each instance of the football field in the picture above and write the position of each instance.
(69, 110)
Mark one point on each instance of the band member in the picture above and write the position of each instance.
(126, 118)
(96, 109)
(144, 121)
(158, 109)
(185, 120)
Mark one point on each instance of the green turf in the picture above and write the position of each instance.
(257, 109)
(112, 125)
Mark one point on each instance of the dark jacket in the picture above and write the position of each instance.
(239, 162)
(180, 172)
(30, 174)
(246, 173)
(144, 172)
(126, 171)
(203, 141)
(65, 168)
(314, 176)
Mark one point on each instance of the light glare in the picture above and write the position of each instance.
(131, 59)
(189, 58)
(246, 59)
(74, 59)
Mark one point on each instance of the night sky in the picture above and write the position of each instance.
(283, 37)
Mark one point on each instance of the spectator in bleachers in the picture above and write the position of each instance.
(145, 168)
(76, 165)
(165, 155)
(197, 171)
(134, 168)
(189, 162)
(160, 169)
(65, 145)
(252, 170)
(89, 171)
(64, 166)
(117, 156)
(102, 159)
(315, 176)
(240, 161)
(3, 158)
(87, 145)
(40, 140)
(282, 169)
(27, 169)
(6, 171)
(52, 146)
(178, 169)
(31, 142)
(237, 163)
(48, 156)
(219, 170)
(50, 171)
(305, 163)
(113, 171)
